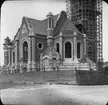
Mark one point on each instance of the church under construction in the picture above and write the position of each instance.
(67, 41)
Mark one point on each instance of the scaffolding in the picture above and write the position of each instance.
(99, 35)
(86, 15)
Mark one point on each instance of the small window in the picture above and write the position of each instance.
(40, 45)
(54, 58)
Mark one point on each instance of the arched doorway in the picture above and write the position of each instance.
(78, 50)
(25, 51)
(57, 47)
(67, 50)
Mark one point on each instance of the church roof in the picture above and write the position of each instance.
(40, 26)
(69, 26)
(61, 23)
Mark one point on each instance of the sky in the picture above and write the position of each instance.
(13, 11)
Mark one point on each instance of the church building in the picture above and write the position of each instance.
(43, 45)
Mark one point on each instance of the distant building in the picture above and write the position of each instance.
(46, 45)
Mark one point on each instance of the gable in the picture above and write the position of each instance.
(22, 31)
(68, 26)
(60, 20)
(40, 26)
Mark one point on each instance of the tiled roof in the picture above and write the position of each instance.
(40, 26)
(69, 26)
(61, 23)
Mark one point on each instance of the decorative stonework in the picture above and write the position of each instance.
(24, 30)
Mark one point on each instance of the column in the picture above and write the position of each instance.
(61, 44)
(81, 50)
(12, 59)
(33, 54)
(85, 44)
(9, 55)
(75, 48)
(16, 54)
(29, 54)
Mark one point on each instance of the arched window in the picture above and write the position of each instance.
(67, 50)
(25, 51)
(78, 50)
(57, 47)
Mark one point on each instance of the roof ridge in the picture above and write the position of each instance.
(33, 19)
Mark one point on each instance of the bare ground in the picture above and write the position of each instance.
(55, 95)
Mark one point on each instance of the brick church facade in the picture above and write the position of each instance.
(48, 44)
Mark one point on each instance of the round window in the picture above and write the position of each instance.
(40, 45)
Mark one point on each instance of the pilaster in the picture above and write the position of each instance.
(33, 54)
(31, 51)
(61, 44)
(16, 54)
(9, 55)
(75, 48)
(29, 54)
(85, 45)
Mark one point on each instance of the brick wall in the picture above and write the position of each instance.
(91, 77)
(41, 77)
(80, 77)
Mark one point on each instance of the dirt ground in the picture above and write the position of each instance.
(55, 95)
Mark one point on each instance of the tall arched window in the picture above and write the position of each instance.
(57, 47)
(67, 50)
(25, 51)
(78, 50)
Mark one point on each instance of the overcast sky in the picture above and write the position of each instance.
(13, 11)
